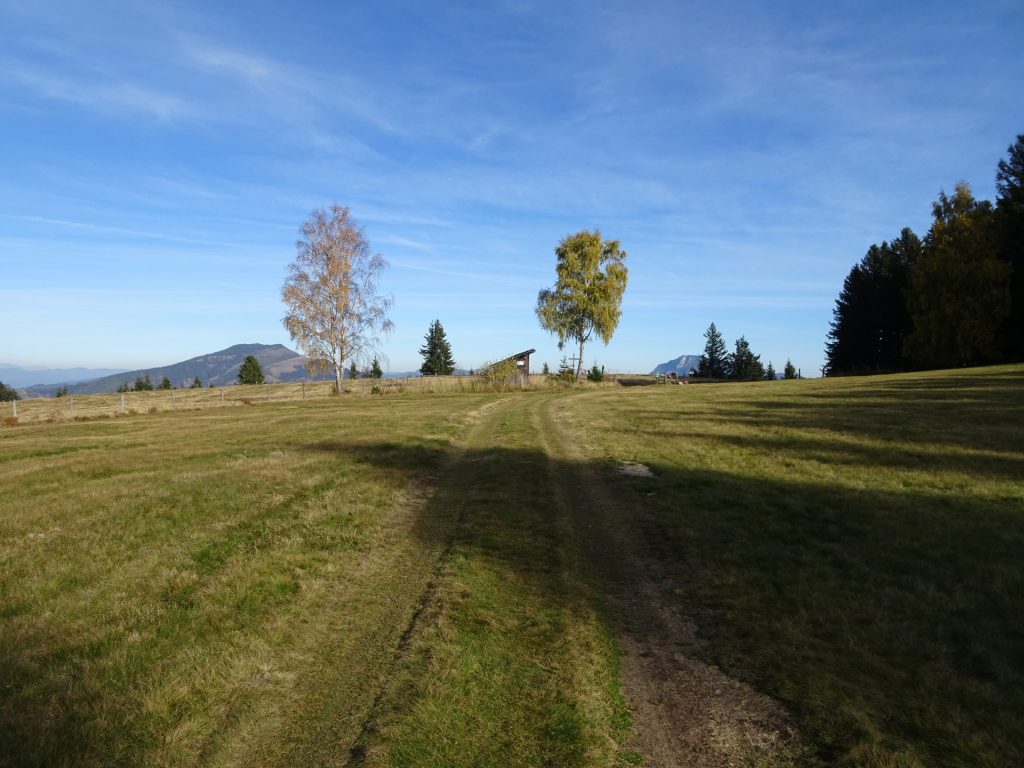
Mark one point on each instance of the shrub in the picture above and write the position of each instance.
(500, 374)
(566, 373)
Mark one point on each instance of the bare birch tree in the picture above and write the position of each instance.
(334, 311)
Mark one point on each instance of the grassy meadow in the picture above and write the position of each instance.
(404, 581)
(113, 405)
(852, 547)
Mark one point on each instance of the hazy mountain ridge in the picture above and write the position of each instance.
(681, 365)
(217, 368)
(17, 376)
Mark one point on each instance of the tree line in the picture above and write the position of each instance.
(739, 365)
(145, 384)
(952, 298)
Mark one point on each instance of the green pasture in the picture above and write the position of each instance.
(400, 581)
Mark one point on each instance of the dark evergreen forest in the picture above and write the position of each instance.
(952, 298)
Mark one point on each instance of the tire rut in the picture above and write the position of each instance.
(476, 423)
(685, 712)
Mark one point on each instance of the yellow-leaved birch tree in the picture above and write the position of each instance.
(587, 295)
(334, 311)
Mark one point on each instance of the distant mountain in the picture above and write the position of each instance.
(16, 376)
(681, 365)
(218, 368)
(415, 374)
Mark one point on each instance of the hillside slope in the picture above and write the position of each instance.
(217, 368)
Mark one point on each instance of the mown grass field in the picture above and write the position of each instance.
(403, 580)
(115, 405)
(853, 547)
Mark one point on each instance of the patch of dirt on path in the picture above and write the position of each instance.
(685, 712)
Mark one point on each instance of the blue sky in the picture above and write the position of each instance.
(158, 158)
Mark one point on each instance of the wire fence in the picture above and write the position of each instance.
(83, 407)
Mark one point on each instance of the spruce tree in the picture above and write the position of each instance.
(713, 361)
(353, 372)
(375, 370)
(251, 371)
(165, 383)
(744, 365)
(769, 372)
(437, 352)
(789, 372)
(870, 320)
(196, 383)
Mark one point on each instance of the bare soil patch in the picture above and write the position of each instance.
(632, 469)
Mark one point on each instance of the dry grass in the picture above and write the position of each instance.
(83, 407)
(231, 586)
(217, 587)
(238, 586)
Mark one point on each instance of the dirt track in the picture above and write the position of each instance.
(685, 713)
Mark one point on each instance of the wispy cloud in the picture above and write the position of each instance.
(106, 95)
(123, 231)
(287, 92)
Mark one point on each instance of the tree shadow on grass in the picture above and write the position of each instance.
(977, 413)
(886, 621)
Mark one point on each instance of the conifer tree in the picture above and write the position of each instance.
(744, 365)
(789, 372)
(196, 383)
(870, 320)
(769, 372)
(353, 371)
(714, 360)
(165, 383)
(251, 371)
(375, 370)
(437, 352)
(1010, 222)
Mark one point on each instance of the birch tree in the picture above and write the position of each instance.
(334, 311)
(586, 298)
